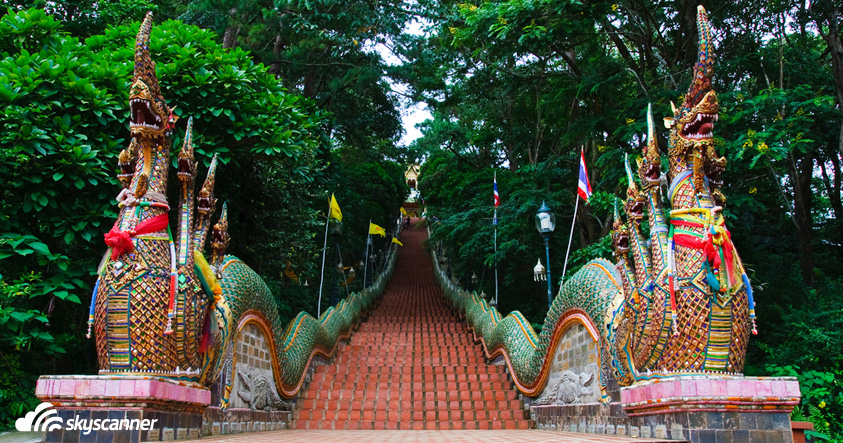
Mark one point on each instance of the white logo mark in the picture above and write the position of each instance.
(48, 421)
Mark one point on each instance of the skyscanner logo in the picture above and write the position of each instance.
(43, 418)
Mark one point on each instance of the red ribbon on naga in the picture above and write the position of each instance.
(121, 243)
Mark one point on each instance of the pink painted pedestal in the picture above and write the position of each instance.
(711, 394)
(176, 406)
(752, 409)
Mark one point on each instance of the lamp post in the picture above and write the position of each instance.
(545, 224)
(335, 228)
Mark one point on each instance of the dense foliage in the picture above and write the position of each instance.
(521, 87)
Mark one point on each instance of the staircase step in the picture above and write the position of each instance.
(412, 364)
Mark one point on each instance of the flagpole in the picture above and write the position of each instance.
(342, 268)
(324, 250)
(366, 255)
(496, 256)
(570, 237)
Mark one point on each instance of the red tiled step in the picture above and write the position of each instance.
(412, 364)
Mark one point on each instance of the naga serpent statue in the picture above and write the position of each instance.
(678, 300)
(159, 308)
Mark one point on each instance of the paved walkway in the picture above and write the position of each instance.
(499, 436)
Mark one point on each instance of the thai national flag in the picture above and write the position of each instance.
(584, 187)
(497, 196)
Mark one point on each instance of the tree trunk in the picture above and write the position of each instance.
(275, 67)
(801, 175)
(833, 188)
(835, 49)
(229, 39)
(309, 84)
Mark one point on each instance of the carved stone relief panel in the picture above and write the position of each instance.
(574, 369)
(254, 384)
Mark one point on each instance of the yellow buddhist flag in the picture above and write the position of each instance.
(335, 209)
(348, 281)
(290, 273)
(403, 211)
(395, 240)
(376, 230)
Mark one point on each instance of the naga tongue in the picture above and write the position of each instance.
(706, 128)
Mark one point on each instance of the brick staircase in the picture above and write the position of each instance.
(411, 365)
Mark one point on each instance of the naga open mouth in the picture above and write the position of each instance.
(713, 170)
(205, 202)
(143, 116)
(127, 170)
(700, 128)
(185, 171)
(651, 174)
(127, 161)
(621, 242)
(635, 209)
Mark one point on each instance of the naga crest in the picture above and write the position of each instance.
(186, 162)
(149, 112)
(692, 125)
(220, 237)
(650, 167)
(205, 201)
(620, 235)
(634, 199)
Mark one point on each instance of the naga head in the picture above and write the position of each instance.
(151, 124)
(650, 167)
(205, 200)
(150, 115)
(692, 125)
(620, 235)
(127, 162)
(713, 168)
(635, 201)
(186, 164)
(220, 237)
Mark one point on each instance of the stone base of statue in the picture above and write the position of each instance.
(130, 408)
(696, 408)
(714, 408)
(239, 420)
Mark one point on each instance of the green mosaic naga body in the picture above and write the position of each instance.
(678, 300)
(158, 307)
